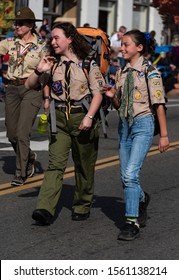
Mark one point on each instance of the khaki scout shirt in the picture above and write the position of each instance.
(142, 71)
(30, 61)
(80, 86)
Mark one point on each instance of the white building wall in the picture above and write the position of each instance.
(37, 7)
(155, 23)
(89, 12)
(125, 13)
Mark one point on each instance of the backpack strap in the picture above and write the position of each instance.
(86, 65)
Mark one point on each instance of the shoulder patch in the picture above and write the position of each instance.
(153, 75)
(93, 63)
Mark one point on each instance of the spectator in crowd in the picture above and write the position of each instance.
(44, 23)
(86, 25)
(116, 43)
(113, 68)
(152, 36)
(43, 33)
(22, 105)
(172, 84)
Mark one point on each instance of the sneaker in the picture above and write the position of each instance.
(18, 181)
(142, 219)
(129, 232)
(31, 166)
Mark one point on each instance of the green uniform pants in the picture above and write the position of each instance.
(84, 146)
(21, 109)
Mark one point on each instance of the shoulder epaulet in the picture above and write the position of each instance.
(149, 67)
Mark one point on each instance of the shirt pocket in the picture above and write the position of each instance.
(32, 59)
(79, 83)
(140, 94)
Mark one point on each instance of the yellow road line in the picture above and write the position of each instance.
(36, 181)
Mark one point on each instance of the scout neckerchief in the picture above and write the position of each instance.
(126, 108)
(67, 87)
(21, 53)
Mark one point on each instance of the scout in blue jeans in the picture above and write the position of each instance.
(138, 88)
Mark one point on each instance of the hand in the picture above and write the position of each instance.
(46, 63)
(163, 144)
(85, 123)
(109, 91)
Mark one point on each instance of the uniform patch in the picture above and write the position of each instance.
(80, 64)
(141, 74)
(94, 63)
(82, 88)
(158, 94)
(153, 75)
(100, 83)
(57, 87)
(137, 95)
(156, 83)
(98, 74)
(44, 48)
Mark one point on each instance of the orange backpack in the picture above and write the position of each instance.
(99, 40)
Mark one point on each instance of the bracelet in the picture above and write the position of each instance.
(47, 97)
(163, 136)
(89, 116)
(37, 72)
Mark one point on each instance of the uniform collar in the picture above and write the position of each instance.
(34, 40)
(138, 66)
(73, 59)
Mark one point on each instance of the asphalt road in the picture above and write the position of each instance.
(96, 238)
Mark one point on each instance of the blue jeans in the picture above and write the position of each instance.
(134, 143)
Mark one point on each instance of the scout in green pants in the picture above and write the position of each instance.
(76, 128)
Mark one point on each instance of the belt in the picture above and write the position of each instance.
(17, 82)
(72, 111)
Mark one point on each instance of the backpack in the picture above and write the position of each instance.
(100, 52)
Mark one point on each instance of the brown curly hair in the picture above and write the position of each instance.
(79, 45)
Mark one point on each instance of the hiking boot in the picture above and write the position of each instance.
(142, 219)
(42, 217)
(129, 232)
(18, 181)
(31, 166)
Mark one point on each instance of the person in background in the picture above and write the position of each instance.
(44, 23)
(86, 25)
(44, 33)
(113, 68)
(116, 43)
(22, 105)
(76, 123)
(172, 84)
(152, 36)
(130, 96)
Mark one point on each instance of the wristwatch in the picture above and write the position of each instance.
(89, 116)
